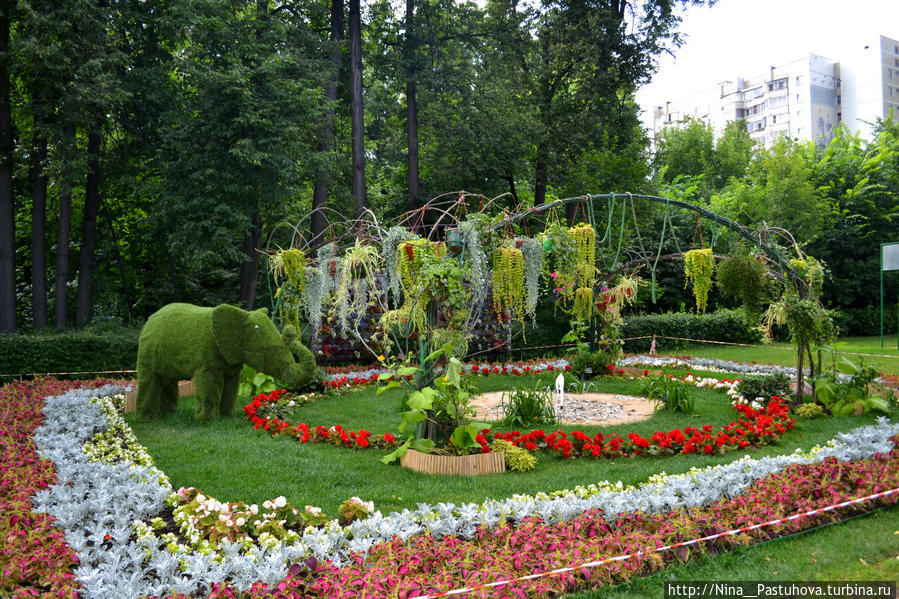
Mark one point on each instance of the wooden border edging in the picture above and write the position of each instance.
(185, 388)
(466, 465)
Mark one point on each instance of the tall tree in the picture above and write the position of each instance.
(411, 106)
(235, 147)
(83, 301)
(7, 197)
(357, 114)
(588, 60)
(38, 217)
(326, 140)
(64, 228)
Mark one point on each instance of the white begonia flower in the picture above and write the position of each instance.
(280, 501)
(254, 509)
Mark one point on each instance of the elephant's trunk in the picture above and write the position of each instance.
(306, 366)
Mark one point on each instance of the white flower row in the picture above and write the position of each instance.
(93, 499)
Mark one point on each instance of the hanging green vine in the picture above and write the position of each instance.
(508, 282)
(699, 266)
(743, 277)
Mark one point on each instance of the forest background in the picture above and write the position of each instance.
(148, 148)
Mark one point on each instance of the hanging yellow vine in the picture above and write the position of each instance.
(508, 282)
(585, 246)
(699, 266)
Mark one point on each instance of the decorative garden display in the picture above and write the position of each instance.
(211, 345)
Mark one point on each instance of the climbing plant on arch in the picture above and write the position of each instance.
(424, 280)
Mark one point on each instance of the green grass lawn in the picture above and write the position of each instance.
(783, 353)
(231, 461)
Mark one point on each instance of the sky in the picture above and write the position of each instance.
(743, 38)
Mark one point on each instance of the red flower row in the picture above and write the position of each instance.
(350, 380)
(753, 429)
(335, 435)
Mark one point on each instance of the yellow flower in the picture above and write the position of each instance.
(445, 379)
(381, 358)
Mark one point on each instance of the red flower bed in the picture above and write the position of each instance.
(754, 428)
(335, 435)
(34, 557)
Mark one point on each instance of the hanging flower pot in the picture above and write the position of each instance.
(332, 268)
(410, 251)
(454, 241)
(519, 243)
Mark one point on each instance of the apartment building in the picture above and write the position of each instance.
(804, 99)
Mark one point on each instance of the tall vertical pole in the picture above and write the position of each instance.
(881, 296)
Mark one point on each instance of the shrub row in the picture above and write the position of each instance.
(863, 322)
(722, 325)
(75, 351)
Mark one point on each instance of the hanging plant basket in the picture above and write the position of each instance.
(465, 465)
(454, 241)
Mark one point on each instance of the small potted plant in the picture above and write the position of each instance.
(443, 439)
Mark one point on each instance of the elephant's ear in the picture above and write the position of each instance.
(228, 325)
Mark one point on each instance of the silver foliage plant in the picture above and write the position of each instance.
(532, 250)
(93, 499)
(314, 297)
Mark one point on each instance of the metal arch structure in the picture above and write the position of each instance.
(771, 252)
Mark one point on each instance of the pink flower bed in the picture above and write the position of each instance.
(34, 558)
(424, 565)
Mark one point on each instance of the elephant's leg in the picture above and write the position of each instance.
(229, 392)
(149, 394)
(208, 393)
(169, 395)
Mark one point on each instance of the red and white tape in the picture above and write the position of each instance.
(620, 558)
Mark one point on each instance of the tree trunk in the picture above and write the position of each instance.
(120, 262)
(320, 187)
(411, 107)
(540, 175)
(249, 270)
(89, 228)
(38, 225)
(799, 382)
(7, 197)
(61, 284)
(357, 113)
(510, 179)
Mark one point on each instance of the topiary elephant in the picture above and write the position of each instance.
(211, 345)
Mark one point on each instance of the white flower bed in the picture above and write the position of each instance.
(93, 499)
(709, 364)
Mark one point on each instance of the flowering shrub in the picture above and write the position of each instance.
(754, 428)
(199, 517)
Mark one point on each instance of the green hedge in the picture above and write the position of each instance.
(865, 322)
(722, 325)
(76, 351)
